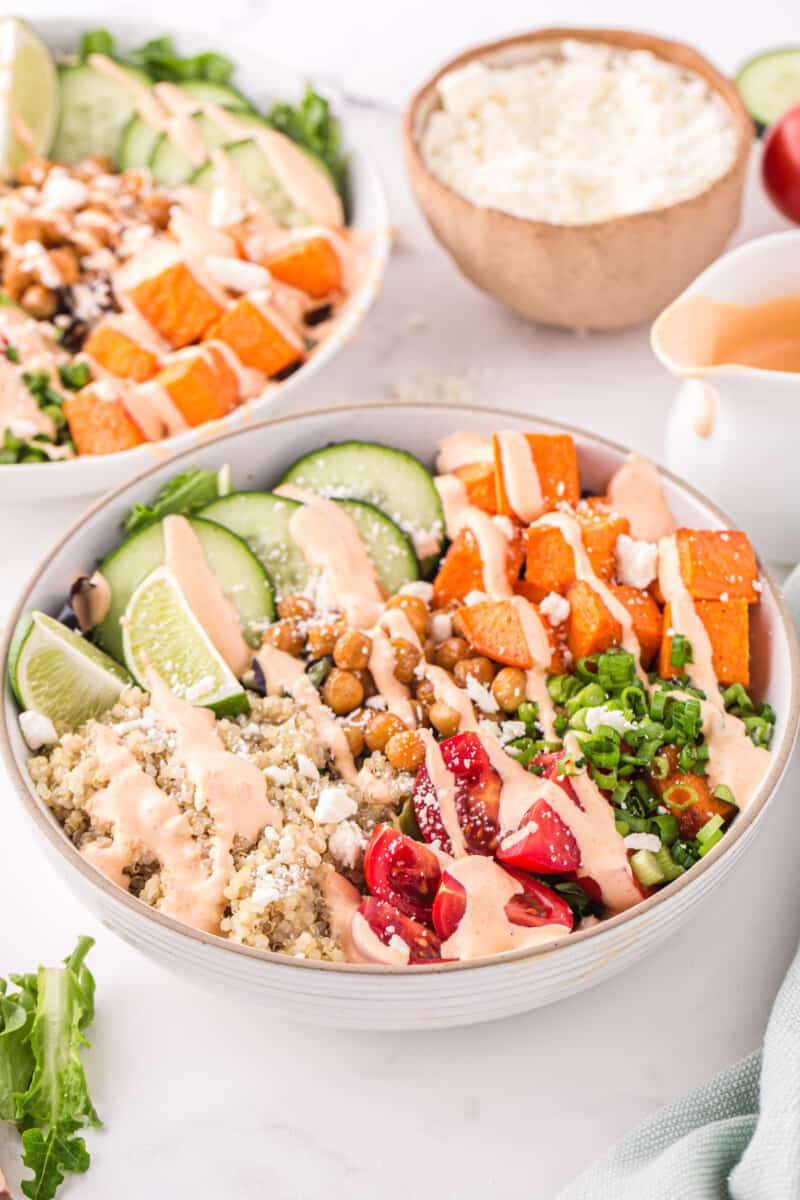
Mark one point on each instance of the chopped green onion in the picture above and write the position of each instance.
(681, 790)
(712, 826)
(75, 375)
(693, 759)
(528, 712)
(522, 749)
(669, 868)
(647, 868)
(634, 703)
(724, 793)
(319, 670)
(12, 354)
(589, 696)
(622, 827)
(560, 725)
(616, 669)
(736, 698)
(667, 826)
(710, 843)
(586, 668)
(561, 687)
(659, 767)
(680, 651)
(684, 854)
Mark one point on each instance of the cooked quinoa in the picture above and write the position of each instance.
(274, 896)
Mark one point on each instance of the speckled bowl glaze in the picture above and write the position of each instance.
(264, 82)
(604, 275)
(379, 997)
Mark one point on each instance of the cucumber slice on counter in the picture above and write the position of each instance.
(136, 145)
(94, 111)
(262, 520)
(770, 84)
(242, 578)
(251, 163)
(393, 480)
(216, 93)
(172, 167)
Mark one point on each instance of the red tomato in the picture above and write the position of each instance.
(780, 165)
(550, 770)
(387, 922)
(477, 797)
(536, 904)
(548, 846)
(402, 871)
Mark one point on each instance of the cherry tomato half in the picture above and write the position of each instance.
(387, 922)
(780, 165)
(543, 844)
(477, 798)
(402, 871)
(536, 904)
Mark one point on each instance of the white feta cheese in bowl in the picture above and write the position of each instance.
(583, 177)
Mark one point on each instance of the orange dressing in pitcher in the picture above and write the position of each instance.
(699, 333)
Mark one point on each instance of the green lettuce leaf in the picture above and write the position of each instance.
(49, 1157)
(16, 1055)
(312, 125)
(184, 494)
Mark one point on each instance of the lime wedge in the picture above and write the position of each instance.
(160, 630)
(29, 95)
(56, 672)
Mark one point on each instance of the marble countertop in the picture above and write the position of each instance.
(202, 1097)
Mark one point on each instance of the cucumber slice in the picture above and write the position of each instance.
(94, 111)
(770, 84)
(251, 163)
(393, 480)
(262, 520)
(243, 579)
(136, 145)
(216, 93)
(171, 167)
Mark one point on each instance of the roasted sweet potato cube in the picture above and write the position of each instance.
(591, 628)
(601, 527)
(258, 336)
(310, 264)
(682, 788)
(493, 628)
(120, 354)
(556, 461)
(176, 304)
(461, 569)
(478, 480)
(201, 384)
(646, 619)
(99, 422)
(549, 562)
(727, 624)
(718, 564)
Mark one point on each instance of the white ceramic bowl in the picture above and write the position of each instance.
(262, 81)
(378, 997)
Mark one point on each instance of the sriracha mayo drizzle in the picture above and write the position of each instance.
(520, 477)
(184, 558)
(635, 492)
(461, 449)
(733, 759)
(485, 928)
(444, 784)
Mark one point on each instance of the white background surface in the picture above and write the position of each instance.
(204, 1098)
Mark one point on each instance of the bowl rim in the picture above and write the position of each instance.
(351, 317)
(123, 900)
(626, 38)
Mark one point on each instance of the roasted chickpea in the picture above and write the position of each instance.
(416, 613)
(295, 605)
(382, 726)
(355, 738)
(352, 650)
(65, 261)
(406, 657)
(322, 637)
(479, 668)
(444, 719)
(420, 711)
(405, 751)
(451, 651)
(25, 228)
(429, 649)
(39, 301)
(367, 682)
(508, 688)
(424, 691)
(457, 623)
(342, 691)
(285, 635)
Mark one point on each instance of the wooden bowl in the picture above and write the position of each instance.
(604, 275)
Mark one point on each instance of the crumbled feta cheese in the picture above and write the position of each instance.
(396, 943)
(307, 768)
(475, 597)
(419, 588)
(505, 525)
(377, 702)
(236, 274)
(282, 776)
(643, 841)
(555, 608)
(63, 190)
(441, 626)
(22, 428)
(334, 804)
(346, 843)
(586, 133)
(511, 730)
(637, 562)
(37, 729)
(600, 715)
(724, 597)
(480, 695)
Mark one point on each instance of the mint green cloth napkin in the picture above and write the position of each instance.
(735, 1138)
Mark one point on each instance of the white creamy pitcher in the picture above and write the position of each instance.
(734, 427)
